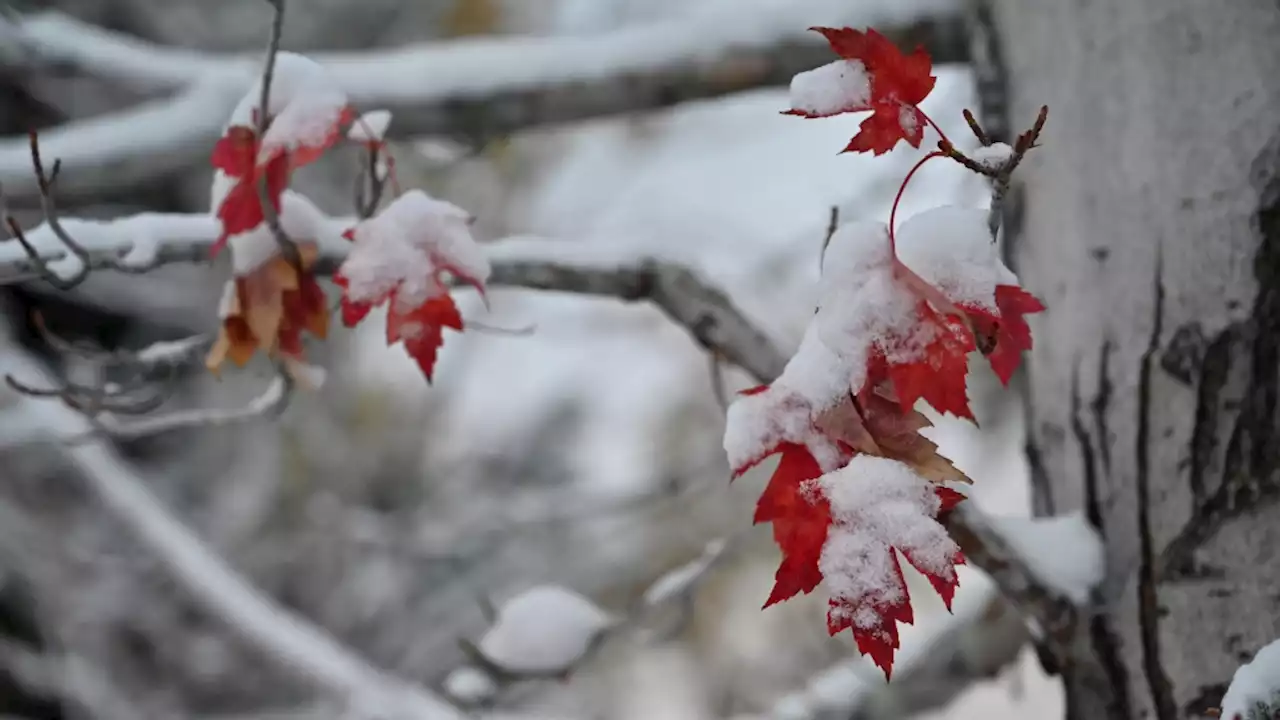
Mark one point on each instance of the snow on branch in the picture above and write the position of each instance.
(548, 632)
(293, 642)
(1254, 693)
(472, 88)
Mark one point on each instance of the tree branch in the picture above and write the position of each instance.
(539, 264)
(296, 644)
(473, 89)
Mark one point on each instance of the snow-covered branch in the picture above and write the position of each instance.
(535, 263)
(294, 643)
(540, 264)
(549, 632)
(472, 88)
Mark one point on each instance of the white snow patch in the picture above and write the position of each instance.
(305, 106)
(951, 248)
(863, 305)
(758, 423)
(252, 249)
(543, 629)
(1065, 552)
(229, 303)
(169, 351)
(993, 156)
(681, 580)
(1254, 693)
(840, 86)
(469, 685)
(370, 127)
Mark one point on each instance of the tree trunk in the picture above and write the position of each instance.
(1150, 225)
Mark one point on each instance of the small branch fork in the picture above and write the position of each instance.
(107, 404)
(46, 182)
(1001, 174)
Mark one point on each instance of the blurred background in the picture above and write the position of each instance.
(585, 452)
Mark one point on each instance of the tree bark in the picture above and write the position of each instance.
(1150, 225)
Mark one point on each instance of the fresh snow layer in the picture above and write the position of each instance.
(951, 248)
(408, 246)
(1254, 693)
(878, 504)
(840, 86)
(543, 629)
(1064, 553)
(370, 127)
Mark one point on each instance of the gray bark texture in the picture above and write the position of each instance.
(1150, 225)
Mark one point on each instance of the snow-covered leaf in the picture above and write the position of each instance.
(950, 248)
(873, 75)
(880, 509)
(404, 256)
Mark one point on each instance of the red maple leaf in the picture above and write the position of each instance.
(241, 208)
(939, 376)
(800, 521)
(898, 84)
(240, 154)
(420, 329)
(1005, 334)
(869, 596)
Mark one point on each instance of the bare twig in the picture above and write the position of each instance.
(269, 213)
(71, 249)
(1000, 174)
(271, 402)
(104, 405)
(833, 224)
(293, 642)
(371, 182)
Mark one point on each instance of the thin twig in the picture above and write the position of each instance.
(269, 214)
(270, 402)
(370, 184)
(833, 224)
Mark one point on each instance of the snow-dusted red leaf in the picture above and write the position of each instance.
(421, 329)
(306, 114)
(950, 249)
(405, 256)
(800, 521)
(307, 111)
(240, 209)
(937, 374)
(871, 316)
(880, 508)
(874, 75)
